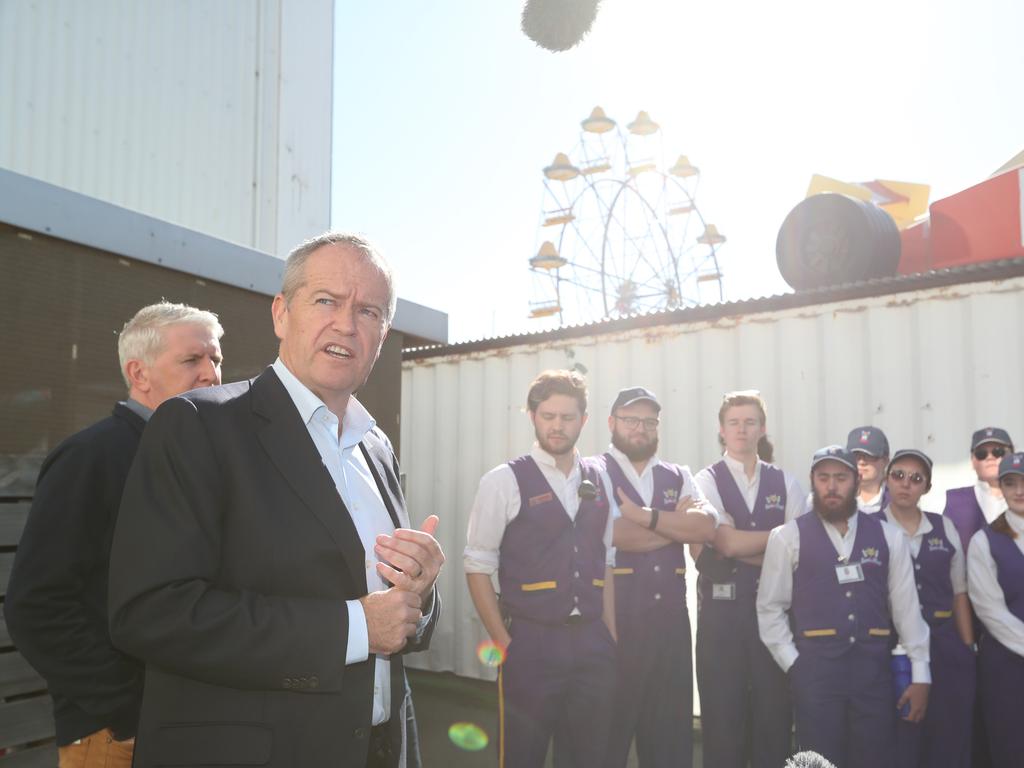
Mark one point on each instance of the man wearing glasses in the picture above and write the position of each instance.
(658, 509)
(972, 507)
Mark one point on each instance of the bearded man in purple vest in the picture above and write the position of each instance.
(943, 739)
(833, 584)
(659, 510)
(973, 507)
(542, 523)
(746, 714)
(995, 581)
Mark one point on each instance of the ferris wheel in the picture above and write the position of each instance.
(620, 233)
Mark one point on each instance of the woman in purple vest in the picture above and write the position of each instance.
(943, 739)
(973, 506)
(742, 689)
(995, 578)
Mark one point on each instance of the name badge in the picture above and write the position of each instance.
(723, 591)
(850, 573)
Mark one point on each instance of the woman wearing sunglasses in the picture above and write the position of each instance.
(972, 507)
(995, 565)
(943, 738)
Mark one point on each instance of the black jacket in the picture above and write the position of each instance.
(232, 561)
(56, 604)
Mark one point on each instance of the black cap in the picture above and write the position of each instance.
(632, 395)
(921, 456)
(1011, 464)
(991, 435)
(834, 453)
(869, 440)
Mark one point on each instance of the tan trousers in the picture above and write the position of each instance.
(99, 750)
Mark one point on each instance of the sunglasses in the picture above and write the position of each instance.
(983, 453)
(898, 476)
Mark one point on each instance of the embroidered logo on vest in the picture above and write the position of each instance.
(937, 544)
(870, 555)
(773, 502)
(670, 497)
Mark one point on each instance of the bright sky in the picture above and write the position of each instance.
(445, 115)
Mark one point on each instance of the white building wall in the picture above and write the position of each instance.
(214, 116)
(929, 367)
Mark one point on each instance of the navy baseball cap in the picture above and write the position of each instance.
(834, 453)
(991, 435)
(631, 395)
(1011, 464)
(921, 456)
(869, 440)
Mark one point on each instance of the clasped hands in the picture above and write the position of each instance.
(410, 562)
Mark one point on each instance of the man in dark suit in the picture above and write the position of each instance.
(56, 603)
(263, 566)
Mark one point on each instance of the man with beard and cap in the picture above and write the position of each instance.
(742, 689)
(658, 510)
(973, 507)
(943, 739)
(870, 447)
(833, 585)
(542, 523)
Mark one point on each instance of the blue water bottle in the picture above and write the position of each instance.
(901, 677)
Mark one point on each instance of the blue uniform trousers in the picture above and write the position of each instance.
(844, 707)
(943, 739)
(1001, 683)
(556, 682)
(746, 712)
(654, 693)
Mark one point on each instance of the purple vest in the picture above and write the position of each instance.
(646, 580)
(829, 618)
(550, 564)
(962, 508)
(932, 572)
(769, 512)
(1010, 569)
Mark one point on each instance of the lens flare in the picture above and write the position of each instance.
(490, 654)
(467, 736)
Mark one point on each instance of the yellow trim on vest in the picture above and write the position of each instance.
(681, 571)
(875, 632)
(501, 718)
(943, 614)
(598, 582)
(539, 585)
(622, 571)
(820, 633)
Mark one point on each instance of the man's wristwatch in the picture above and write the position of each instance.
(654, 518)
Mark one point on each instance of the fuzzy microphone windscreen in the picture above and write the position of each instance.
(808, 760)
(558, 25)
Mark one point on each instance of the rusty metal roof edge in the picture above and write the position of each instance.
(971, 273)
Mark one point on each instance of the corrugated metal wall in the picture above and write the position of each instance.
(928, 367)
(215, 116)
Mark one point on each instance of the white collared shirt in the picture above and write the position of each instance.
(775, 593)
(643, 484)
(358, 490)
(957, 565)
(992, 506)
(497, 504)
(986, 594)
(749, 487)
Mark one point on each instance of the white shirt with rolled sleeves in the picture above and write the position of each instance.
(957, 565)
(775, 594)
(498, 502)
(987, 596)
(748, 487)
(358, 490)
(643, 484)
(992, 506)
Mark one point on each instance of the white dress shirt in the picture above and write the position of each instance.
(986, 594)
(957, 565)
(643, 484)
(497, 504)
(775, 593)
(358, 490)
(992, 506)
(748, 487)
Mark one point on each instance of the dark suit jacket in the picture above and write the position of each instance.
(56, 604)
(232, 561)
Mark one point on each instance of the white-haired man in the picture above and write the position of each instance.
(56, 600)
